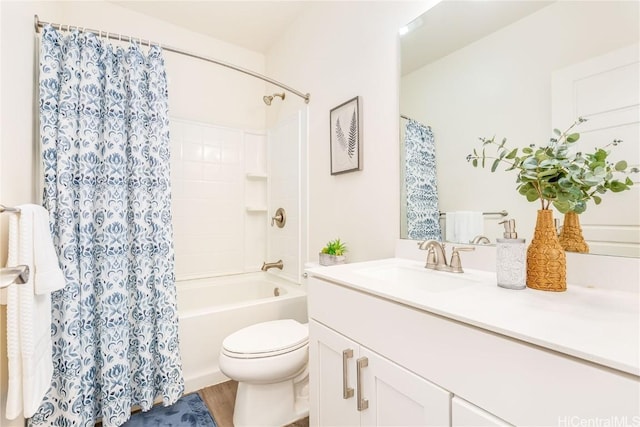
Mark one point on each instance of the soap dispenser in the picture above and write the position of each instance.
(511, 258)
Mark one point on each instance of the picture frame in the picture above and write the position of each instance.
(345, 141)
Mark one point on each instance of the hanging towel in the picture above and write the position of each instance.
(14, 388)
(29, 313)
(468, 225)
(463, 226)
(48, 276)
(450, 226)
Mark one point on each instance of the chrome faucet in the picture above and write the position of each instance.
(437, 257)
(267, 265)
(481, 240)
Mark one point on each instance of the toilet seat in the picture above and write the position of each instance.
(266, 339)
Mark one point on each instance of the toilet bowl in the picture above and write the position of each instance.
(270, 362)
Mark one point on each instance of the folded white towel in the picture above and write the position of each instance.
(450, 226)
(14, 390)
(463, 226)
(29, 315)
(48, 275)
(469, 224)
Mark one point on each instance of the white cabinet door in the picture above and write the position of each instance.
(398, 397)
(464, 413)
(332, 390)
(389, 395)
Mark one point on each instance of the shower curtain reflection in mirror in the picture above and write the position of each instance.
(421, 197)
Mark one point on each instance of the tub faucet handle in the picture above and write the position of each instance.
(280, 218)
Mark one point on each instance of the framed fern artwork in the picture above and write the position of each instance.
(345, 137)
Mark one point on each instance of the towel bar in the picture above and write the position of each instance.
(4, 208)
(501, 213)
(10, 275)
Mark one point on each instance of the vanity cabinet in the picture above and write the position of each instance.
(352, 386)
(464, 414)
(424, 368)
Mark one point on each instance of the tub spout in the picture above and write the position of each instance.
(267, 265)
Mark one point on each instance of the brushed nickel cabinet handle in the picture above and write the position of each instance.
(363, 362)
(347, 391)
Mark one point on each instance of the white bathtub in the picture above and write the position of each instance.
(210, 309)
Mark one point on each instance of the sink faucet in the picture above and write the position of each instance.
(267, 265)
(437, 257)
(481, 240)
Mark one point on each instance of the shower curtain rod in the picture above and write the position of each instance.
(120, 37)
(402, 116)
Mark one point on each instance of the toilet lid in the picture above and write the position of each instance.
(266, 339)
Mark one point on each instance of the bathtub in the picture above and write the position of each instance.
(212, 308)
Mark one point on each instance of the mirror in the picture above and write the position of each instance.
(516, 70)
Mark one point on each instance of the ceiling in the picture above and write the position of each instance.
(453, 24)
(257, 25)
(254, 25)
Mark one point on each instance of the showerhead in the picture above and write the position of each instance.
(268, 98)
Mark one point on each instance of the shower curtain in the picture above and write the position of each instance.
(423, 214)
(104, 132)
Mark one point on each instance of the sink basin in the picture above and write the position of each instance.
(418, 277)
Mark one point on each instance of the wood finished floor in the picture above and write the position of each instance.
(220, 400)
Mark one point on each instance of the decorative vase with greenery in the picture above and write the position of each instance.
(593, 175)
(333, 253)
(557, 178)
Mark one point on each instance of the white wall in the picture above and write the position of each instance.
(198, 91)
(501, 85)
(335, 51)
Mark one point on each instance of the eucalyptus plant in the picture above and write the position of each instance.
(554, 175)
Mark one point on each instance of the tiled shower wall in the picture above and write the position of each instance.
(219, 198)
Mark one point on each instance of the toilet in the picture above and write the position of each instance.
(270, 362)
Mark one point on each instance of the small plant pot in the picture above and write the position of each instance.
(326, 259)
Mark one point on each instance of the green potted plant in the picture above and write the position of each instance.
(558, 178)
(333, 253)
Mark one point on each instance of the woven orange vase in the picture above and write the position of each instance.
(571, 238)
(546, 260)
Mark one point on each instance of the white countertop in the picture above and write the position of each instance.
(601, 326)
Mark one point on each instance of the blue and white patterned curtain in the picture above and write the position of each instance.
(105, 143)
(423, 215)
